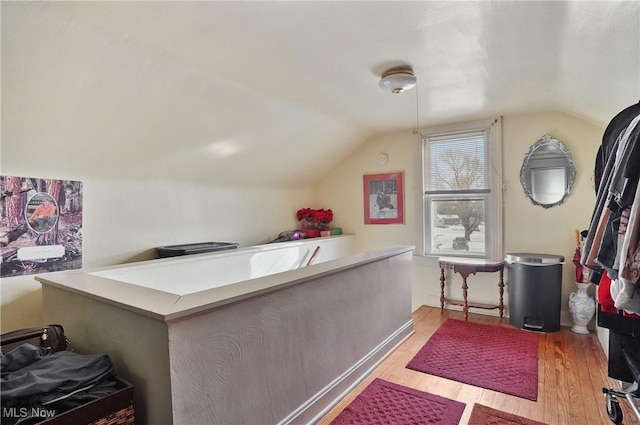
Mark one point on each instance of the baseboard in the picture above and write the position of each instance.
(320, 404)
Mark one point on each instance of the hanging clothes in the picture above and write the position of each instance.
(612, 243)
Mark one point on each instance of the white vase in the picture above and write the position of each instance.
(582, 308)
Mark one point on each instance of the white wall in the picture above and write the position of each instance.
(159, 162)
(124, 220)
(527, 228)
(81, 104)
(342, 191)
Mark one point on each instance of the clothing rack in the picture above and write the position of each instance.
(612, 249)
(623, 362)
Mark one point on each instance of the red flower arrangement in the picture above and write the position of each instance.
(314, 219)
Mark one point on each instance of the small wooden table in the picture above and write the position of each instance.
(467, 266)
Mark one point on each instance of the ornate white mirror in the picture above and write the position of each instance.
(548, 172)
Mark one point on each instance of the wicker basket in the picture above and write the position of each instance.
(124, 416)
(114, 409)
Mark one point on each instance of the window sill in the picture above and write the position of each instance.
(432, 260)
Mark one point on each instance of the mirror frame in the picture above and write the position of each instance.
(570, 168)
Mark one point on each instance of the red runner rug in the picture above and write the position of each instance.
(493, 357)
(483, 415)
(384, 402)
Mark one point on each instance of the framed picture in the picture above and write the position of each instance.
(383, 198)
(40, 225)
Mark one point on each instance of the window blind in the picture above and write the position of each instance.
(456, 163)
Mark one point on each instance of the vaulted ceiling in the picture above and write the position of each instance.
(275, 92)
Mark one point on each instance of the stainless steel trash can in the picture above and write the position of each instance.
(534, 282)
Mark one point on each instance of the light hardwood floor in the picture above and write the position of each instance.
(572, 370)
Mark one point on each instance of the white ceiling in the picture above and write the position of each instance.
(277, 92)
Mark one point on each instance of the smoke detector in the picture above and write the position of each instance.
(398, 80)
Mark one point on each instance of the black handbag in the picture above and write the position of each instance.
(51, 337)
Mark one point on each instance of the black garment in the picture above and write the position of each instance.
(609, 244)
(632, 169)
(32, 379)
(614, 128)
(604, 173)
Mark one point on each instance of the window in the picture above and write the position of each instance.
(462, 191)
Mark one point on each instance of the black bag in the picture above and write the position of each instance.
(51, 337)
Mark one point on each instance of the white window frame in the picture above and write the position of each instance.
(493, 206)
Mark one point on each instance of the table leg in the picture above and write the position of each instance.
(441, 288)
(465, 308)
(501, 290)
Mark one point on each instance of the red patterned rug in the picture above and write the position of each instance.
(483, 415)
(385, 403)
(493, 357)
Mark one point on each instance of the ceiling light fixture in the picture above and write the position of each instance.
(398, 80)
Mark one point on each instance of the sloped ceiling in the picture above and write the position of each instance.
(276, 93)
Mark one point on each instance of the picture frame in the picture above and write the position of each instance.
(41, 225)
(383, 198)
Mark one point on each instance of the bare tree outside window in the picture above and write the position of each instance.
(461, 190)
(461, 171)
(457, 193)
